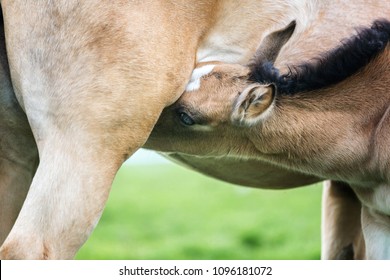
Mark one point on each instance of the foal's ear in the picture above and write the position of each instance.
(271, 45)
(252, 103)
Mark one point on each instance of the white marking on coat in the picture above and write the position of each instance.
(197, 74)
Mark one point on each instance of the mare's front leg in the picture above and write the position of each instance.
(341, 226)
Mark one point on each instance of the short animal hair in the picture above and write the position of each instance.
(331, 67)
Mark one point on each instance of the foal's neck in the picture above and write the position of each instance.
(328, 130)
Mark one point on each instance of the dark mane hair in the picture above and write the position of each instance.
(331, 67)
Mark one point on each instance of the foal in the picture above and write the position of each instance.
(328, 117)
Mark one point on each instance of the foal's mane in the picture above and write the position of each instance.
(331, 67)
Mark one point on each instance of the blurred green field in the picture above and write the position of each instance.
(169, 212)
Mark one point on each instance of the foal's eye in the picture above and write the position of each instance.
(186, 119)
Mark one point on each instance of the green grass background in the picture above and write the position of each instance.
(169, 212)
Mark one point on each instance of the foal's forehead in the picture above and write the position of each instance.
(218, 69)
(196, 76)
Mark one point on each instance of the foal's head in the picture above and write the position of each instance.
(225, 103)
(218, 99)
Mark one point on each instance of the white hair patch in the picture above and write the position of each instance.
(197, 74)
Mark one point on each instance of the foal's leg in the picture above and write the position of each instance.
(341, 226)
(18, 151)
(376, 231)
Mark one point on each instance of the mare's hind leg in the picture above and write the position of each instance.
(92, 92)
(18, 161)
(341, 223)
(18, 152)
